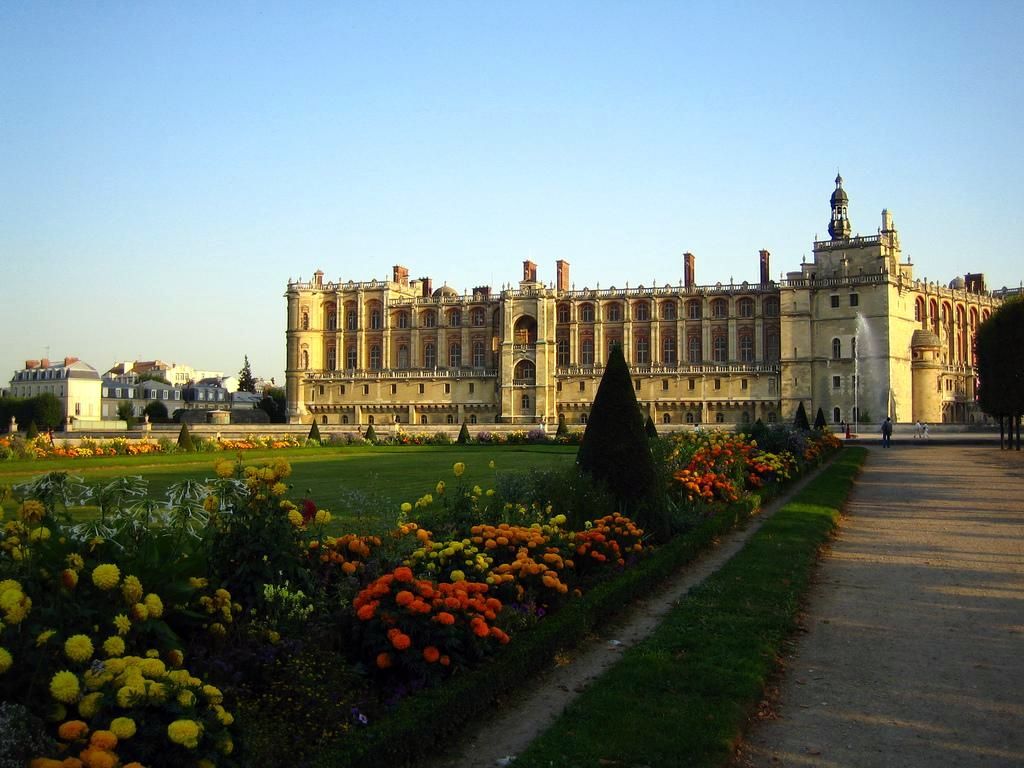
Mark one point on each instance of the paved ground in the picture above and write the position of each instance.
(914, 647)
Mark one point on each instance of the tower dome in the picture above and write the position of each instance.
(839, 226)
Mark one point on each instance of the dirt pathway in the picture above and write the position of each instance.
(517, 722)
(914, 648)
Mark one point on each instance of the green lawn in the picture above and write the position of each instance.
(353, 482)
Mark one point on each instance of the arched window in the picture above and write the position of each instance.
(305, 321)
(332, 318)
(689, 418)
(455, 318)
(455, 355)
(642, 311)
(719, 308)
(344, 418)
(693, 309)
(720, 348)
(745, 307)
(351, 357)
(720, 418)
(478, 354)
(666, 418)
(429, 355)
(332, 358)
(525, 402)
(403, 356)
(587, 313)
(305, 359)
(402, 320)
(668, 350)
(583, 418)
(472, 418)
(375, 357)
(835, 415)
(369, 419)
(668, 310)
(563, 313)
(837, 349)
(450, 419)
(525, 372)
(562, 352)
(423, 418)
(351, 320)
(587, 352)
(643, 350)
(375, 317)
(429, 319)
(745, 417)
(771, 307)
(693, 351)
(771, 346)
(525, 330)
(477, 317)
(613, 313)
(323, 419)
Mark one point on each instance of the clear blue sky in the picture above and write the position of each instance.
(165, 168)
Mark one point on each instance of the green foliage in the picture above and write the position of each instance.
(650, 429)
(185, 439)
(615, 448)
(568, 491)
(124, 413)
(800, 420)
(152, 376)
(22, 736)
(314, 432)
(463, 438)
(1000, 340)
(274, 403)
(246, 381)
(563, 430)
(44, 409)
(156, 411)
(819, 420)
(371, 434)
(33, 431)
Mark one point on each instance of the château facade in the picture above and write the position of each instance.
(852, 332)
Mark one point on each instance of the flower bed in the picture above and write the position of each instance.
(164, 634)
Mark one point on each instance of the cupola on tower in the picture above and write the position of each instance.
(839, 227)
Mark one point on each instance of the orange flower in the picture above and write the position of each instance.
(431, 654)
(403, 573)
(445, 618)
(366, 612)
(401, 641)
(383, 660)
(404, 597)
(72, 730)
(103, 740)
(480, 628)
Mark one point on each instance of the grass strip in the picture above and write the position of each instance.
(423, 724)
(683, 696)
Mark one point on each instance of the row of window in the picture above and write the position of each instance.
(147, 394)
(834, 300)
(666, 418)
(428, 319)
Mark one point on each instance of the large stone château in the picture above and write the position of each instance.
(850, 332)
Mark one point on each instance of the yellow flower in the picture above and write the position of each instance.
(140, 612)
(458, 468)
(123, 624)
(218, 629)
(132, 589)
(175, 657)
(322, 517)
(224, 468)
(458, 576)
(197, 583)
(225, 717)
(279, 489)
(490, 464)
(153, 668)
(406, 507)
(78, 648)
(75, 561)
(128, 696)
(184, 732)
(113, 646)
(44, 636)
(31, 511)
(5, 660)
(106, 576)
(154, 605)
(122, 727)
(213, 694)
(90, 705)
(210, 503)
(186, 698)
(440, 487)
(64, 687)
(295, 518)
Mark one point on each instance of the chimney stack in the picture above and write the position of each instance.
(428, 285)
(529, 272)
(400, 275)
(562, 275)
(483, 291)
(765, 269)
(70, 360)
(689, 272)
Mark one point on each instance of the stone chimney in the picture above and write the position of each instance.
(529, 272)
(31, 364)
(562, 275)
(428, 286)
(975, 282)
(318, 278)
(483, 291)
(70, 360)
(44, 363)
(400, 275)
(689, 269)
(765, 267)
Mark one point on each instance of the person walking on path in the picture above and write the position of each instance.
(917, 429)
(924, 431)
(887, 432)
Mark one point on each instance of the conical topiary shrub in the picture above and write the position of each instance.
(463, 435)
(800, 420)
(615, 449)
(185, 439)
(819, 420)
(33, 431)
(371, 434)
(314, 433)
(650, 429)
(563, 430)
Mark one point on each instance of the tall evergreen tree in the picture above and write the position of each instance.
(1001, 367)
(649, 428)
(800, 420)
(246, 381)
(615, 448)
(463, 438)
(819, 420)
(314, 432)
(185, 438)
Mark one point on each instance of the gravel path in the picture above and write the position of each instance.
(913, 651)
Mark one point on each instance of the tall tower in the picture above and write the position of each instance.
(839, 227)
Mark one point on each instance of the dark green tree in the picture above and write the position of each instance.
(185, 438)
(47, 411)
(800, 420)
(819, 420)
(1001, 367)
(246, 381)
(650, 429)
(563, 430)
(156, 411)
(463, 438)
(124, 413)
(615, 449)
(33, 430)
(371, 434)
(314, 433)
(152, 376)
(274, 404)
